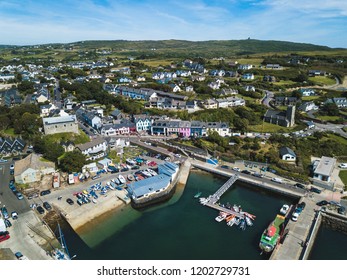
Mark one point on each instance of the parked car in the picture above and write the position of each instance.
(236, 169)
(47, 206)
(135, 167)
(14, 215)
(301, 206)
(341, 210)
(45, 192)
(225, 167)
(301, 186)
(315, 190)
(322, 203)
(259, 175)
(96, 177)
(277, 180)
(4, 212)
(20, 256)
(295, 216)
(70, 201)
(19, 195)
(7, 223)
(40, 209)
(246, 172)
(4, 236)
(343, 165)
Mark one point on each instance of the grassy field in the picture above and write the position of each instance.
(310, 98)
(284, 83)
(252, 61)
(268, 127)
(328, 118)
(339, 139)
(10, 132)
(343, 176)
(322, 80)
(156, 62)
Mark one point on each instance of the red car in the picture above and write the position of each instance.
(4, 236)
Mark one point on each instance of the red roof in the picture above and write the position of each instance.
(271, 231)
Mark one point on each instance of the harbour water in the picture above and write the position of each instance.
(329, 245)
(181, 228)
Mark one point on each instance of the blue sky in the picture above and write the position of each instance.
(322, 22)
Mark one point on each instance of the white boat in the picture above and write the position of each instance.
(94, 201)
(248, 221)
(131, 177)
(237, 221)
(121, 179)
(221, 217)
(236, 208)
(117, 181)
(146, 173)
(231, 222)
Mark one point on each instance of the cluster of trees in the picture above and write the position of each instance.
(24, 119)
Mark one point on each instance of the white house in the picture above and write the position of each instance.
(94, 149)
(308, 106)
(46, 109)
(287, 154)
(323, 168)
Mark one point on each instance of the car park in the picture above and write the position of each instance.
(45, 192)
(40, 209)
(70, 201)
(47, 206)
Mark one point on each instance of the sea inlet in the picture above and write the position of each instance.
(181, 228)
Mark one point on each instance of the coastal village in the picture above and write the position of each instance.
(85, 137)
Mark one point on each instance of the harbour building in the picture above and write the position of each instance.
(156, 187)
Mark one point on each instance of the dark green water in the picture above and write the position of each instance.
(181, 229)
(329, 245)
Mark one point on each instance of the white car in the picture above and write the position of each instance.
(236, 169)
(295, 216)
(277, 180)
(343, 165)
(177, 155)
(284, 209)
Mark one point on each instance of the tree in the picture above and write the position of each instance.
(4, 122)
(240, 124)
(52, 151)
(72, 161)
(330, 109)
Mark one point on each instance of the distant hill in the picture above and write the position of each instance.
(250, 46)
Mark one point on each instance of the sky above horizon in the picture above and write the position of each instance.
(28, 22)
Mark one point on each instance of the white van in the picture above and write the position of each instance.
(277, 180)
(343, 165)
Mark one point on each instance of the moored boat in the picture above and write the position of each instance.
(271, 234)
(197, 195)
(121, 179)
(248, 221)
(131, 177)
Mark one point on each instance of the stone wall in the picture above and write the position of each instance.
(335, 221)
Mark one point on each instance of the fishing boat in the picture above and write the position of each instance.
(94, 201)
(61, 253)
(117, 181)
(237, 221)
(271, 234)
(198, 194)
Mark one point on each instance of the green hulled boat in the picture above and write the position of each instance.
(271, 235)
